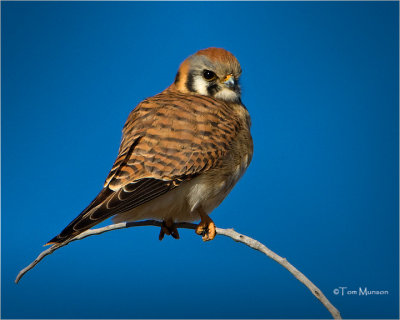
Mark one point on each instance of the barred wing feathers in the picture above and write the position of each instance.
(168, 139)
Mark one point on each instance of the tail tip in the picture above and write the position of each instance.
(51, 242)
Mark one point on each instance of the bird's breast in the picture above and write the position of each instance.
(213, 186)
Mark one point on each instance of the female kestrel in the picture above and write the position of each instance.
(181, 153)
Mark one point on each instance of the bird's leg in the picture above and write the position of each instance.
(206, 227)
(168, 228)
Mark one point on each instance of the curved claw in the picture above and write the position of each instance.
(168, 228)
(206, 228)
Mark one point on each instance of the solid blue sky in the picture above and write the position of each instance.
(320, 81)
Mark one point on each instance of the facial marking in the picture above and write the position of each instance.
(190, 82)
(177, 77)
(212, 89)
(216, 78)
(200, 85)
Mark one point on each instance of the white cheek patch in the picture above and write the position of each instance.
(227, 95)
(200, 86)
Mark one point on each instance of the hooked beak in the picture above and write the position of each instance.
(229, 81)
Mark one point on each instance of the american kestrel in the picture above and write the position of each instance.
(181, 153)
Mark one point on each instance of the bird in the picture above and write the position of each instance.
(182, 151)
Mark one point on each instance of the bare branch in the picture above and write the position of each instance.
(284, 263)
(225, 232)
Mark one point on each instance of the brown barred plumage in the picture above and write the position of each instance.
(181, 152)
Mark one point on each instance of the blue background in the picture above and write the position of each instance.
(321, 83)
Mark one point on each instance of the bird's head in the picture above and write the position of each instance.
(211, 72)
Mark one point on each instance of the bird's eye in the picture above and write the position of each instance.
(209, 75)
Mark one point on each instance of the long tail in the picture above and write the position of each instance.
(92, 215)
(109, 203)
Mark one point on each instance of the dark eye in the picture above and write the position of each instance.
(209, 75)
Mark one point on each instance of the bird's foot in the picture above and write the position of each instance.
(168, 228)
(206, 228)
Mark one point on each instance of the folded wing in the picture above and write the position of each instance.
(168, 139)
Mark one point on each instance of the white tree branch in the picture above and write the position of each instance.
(225, 232)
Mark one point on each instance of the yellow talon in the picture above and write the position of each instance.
(206, 227)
